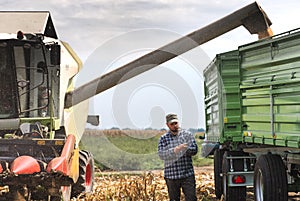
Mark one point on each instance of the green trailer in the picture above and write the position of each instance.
(223, 107)
(252, 98)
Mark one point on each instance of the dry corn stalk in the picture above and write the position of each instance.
(148, 186)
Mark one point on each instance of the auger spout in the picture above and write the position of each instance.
(252, 17)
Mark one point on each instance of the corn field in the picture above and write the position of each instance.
(146, 186)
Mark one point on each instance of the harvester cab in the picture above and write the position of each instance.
(42, 115)
(26, 72)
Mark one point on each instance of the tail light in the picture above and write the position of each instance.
(238, 179)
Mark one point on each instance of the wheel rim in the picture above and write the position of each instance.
(259, 186)
(88, 176)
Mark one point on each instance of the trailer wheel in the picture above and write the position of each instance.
(85, 180)
(270, 179)
(232, 193)
(218, 157)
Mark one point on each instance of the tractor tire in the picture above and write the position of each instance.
(85, 180)
(218, 157)
(232, 193)
(270, 179)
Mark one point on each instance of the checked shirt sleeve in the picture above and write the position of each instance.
(188, 137)
(192, 148)
(165, 149)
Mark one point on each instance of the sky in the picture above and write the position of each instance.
(108, 34)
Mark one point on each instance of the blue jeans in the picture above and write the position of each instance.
(188, 186)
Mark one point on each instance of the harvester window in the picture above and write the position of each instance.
(21, 76)
(32, 80)
(7, 95)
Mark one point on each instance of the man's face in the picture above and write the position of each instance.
(174, 126)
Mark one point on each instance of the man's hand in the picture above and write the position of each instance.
(180, 147)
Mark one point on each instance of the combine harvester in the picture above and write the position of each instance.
(42, 116)
(252, 98)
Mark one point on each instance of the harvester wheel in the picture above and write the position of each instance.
(65, 194)
(218, 156)
(232, 193)
(270, 179)
(15, 194)
(85, 181)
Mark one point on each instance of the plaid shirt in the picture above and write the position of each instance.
(177, 166)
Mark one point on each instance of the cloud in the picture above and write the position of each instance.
(88, 24)
(85, 24)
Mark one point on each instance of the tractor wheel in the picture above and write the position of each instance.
(232, 193)
(270, 179)
(218, 156)
(85, 180)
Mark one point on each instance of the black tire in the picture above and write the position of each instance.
(15, 194)
(218, 157)
(85, 180)
(232, 193)
(270, 179)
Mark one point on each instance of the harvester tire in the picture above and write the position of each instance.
(15, 194)
(270, 179)
(232, 193)
(218, 157)
(85, 180)
(65, 194)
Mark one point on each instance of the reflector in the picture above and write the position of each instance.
(238, 179)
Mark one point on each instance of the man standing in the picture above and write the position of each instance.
(176, 148)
